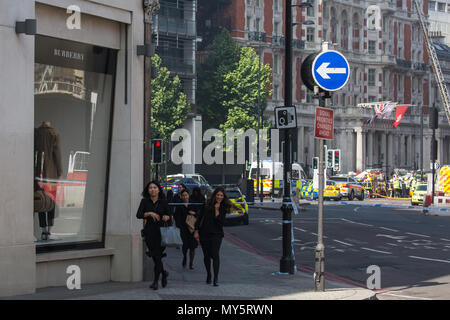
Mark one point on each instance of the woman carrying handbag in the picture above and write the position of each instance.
(155, 210)
(209, 230)
(183, 214)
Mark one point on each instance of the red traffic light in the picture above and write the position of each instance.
(158, 143)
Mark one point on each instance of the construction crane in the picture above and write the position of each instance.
(435, 64)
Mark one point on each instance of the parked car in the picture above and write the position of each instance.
(349, 187)
(332, 191)
(190, 181)
(419, 194)
(307, 191)
(239, 211)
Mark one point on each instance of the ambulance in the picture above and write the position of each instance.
(272, 172)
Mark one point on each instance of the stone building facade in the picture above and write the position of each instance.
(388, 62)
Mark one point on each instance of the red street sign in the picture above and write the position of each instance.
(324, 124)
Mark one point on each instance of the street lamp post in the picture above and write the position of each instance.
(287, 263)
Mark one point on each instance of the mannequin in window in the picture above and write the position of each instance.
(48, 168)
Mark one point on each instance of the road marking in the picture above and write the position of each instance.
(356, 209)
(444, 239)
(325, 237)
(416, 234)
(392, 244)
(385, 252)
(391, 237)
(363, 224)
(402, 296)
(347, 244)
(299, 229)
(389, 229)
(429, 259)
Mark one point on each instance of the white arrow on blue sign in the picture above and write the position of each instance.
(331, 70)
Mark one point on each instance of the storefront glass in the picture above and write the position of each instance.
(73, 97)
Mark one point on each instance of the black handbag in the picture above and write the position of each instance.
(42, 201)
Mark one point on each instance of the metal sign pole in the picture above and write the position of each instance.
(319, 281)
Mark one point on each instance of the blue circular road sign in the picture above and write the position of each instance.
(330, 70)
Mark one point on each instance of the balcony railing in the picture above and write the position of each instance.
(178, 65)
(298, 44)
(257, 36)
(420, 66)
(404, 63)
(278, 41)
(176, 25)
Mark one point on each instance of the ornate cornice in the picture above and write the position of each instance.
(151, 7)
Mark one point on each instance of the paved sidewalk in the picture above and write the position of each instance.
(243, 275)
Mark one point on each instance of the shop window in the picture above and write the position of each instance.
(73, 101)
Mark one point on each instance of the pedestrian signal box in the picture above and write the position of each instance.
(315, 163)
(157, 155)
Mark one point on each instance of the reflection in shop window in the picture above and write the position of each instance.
(73, 94)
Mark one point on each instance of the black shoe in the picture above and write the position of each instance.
(154, 285)
(191, 266)
(216, 283)
(44, 236)
(184, 262)
(164, 279)
(208, 279)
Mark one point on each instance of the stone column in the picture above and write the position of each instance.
(360, 149)
(390, 152)
(370, 148)
(410, 154)
(401, 150)
(351, 151)
(440, 149)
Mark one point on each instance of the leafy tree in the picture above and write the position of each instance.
(222, 59)
(240, 94)
(170, 105)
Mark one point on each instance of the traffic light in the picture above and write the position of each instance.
(157, 146)
(330, 158)
(315, 163)
(433, 118)
(337, 160)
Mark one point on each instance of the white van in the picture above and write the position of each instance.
(269, 171)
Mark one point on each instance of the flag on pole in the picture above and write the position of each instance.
(399, 113)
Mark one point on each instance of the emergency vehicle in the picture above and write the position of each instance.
(272, 172)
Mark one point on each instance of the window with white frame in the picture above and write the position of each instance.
(371, 78)
(310, 34)
(310, 10)
(276, 64)
(275, 91)
(372, 47)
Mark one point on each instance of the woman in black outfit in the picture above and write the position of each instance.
(155, 211)
(209, 229)
(189, 242)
